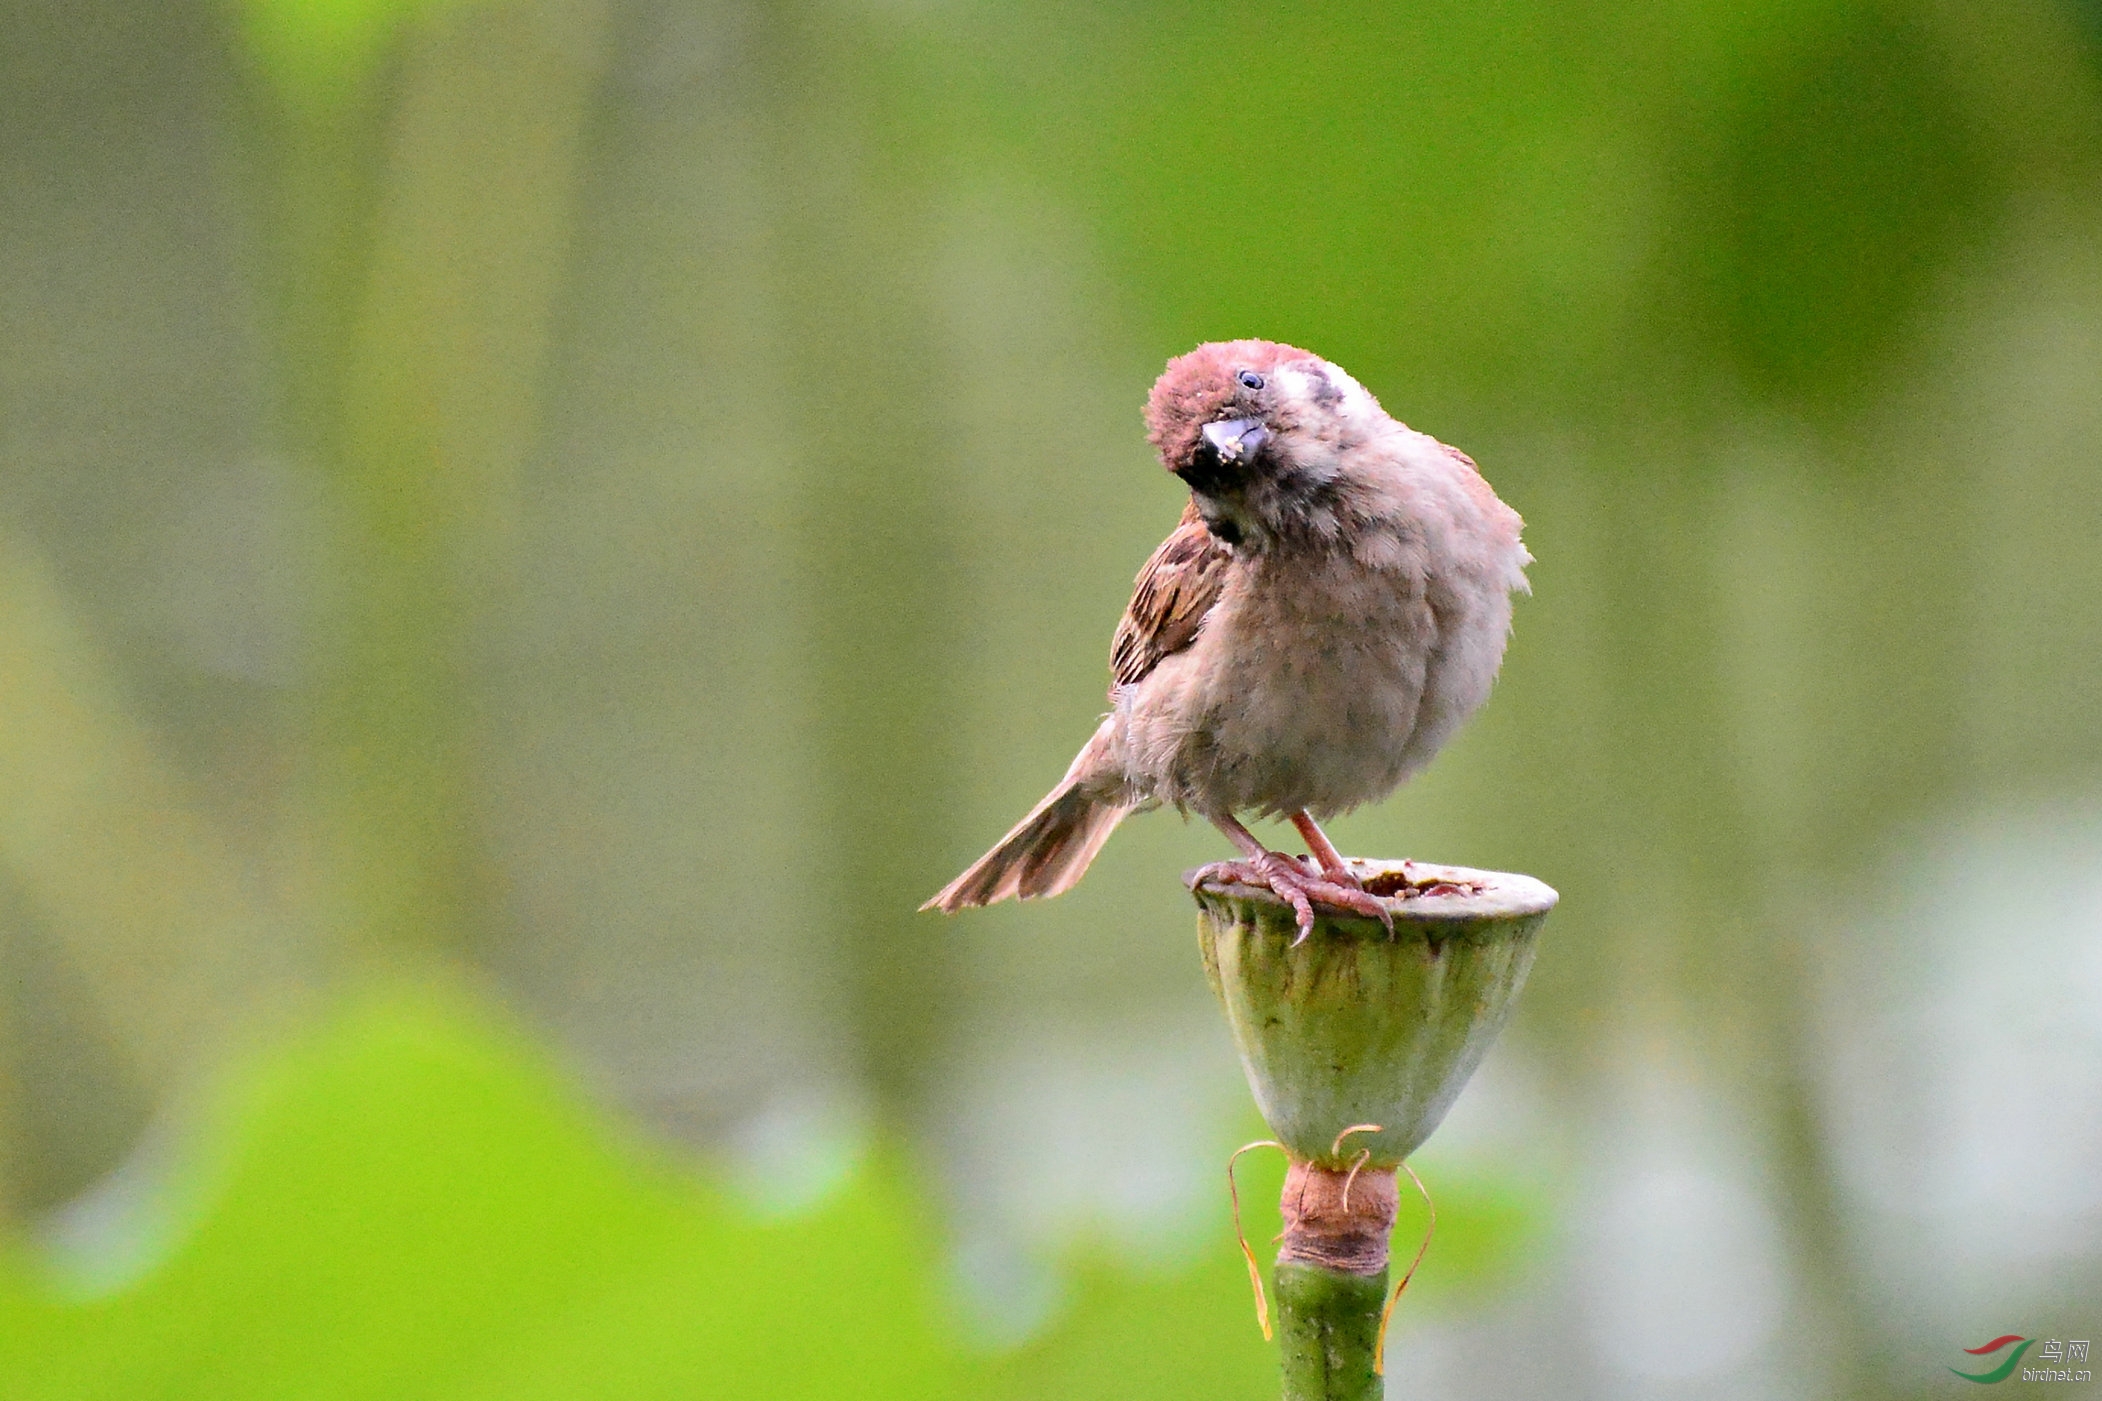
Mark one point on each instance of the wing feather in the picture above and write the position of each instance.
(1174, 591)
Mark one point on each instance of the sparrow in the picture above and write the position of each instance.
(1332, 607)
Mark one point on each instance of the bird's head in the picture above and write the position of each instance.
(1257, 431)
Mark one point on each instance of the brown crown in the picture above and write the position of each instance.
(1199, 388)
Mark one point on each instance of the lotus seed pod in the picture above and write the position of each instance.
(1356, 1041)
(1353, 1026)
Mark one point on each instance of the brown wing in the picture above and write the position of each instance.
(1174, 591)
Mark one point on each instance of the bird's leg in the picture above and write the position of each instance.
(1288, 880)
(1324, 850)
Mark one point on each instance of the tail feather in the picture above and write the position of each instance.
(1046, 854)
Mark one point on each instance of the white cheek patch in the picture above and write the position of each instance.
(1333, 410)
(1358, 404)
(1315, 384)
(1329, 391)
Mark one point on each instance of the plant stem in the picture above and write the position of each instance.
(1332, 1279)
(1328, 1329)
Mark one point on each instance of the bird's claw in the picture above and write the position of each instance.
(1285, 877)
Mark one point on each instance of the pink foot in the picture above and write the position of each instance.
(1285, 877)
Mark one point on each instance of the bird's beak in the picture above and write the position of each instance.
(1236, 439)
(1223, 453)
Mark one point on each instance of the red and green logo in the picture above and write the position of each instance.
(2006, 1369)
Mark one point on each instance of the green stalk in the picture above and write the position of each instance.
(1328, 1331)
(1332, 1279)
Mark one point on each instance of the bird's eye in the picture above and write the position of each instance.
(1250, 379)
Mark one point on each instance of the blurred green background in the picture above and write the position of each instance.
(534, 532)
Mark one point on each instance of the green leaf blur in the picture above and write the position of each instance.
(409, 1201)
(415, 1206)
